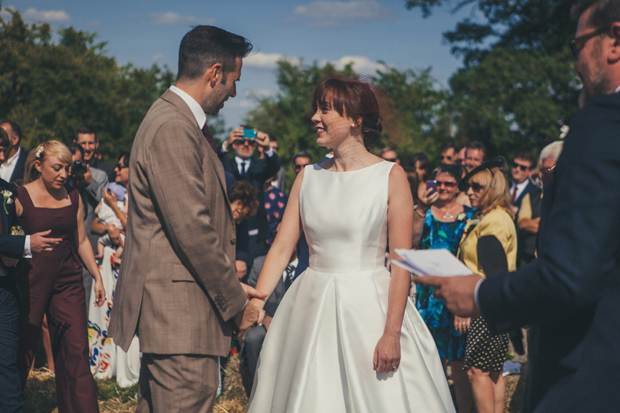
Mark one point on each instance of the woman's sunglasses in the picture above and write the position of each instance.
(476, 187)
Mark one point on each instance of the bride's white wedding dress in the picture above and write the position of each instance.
(318, 353)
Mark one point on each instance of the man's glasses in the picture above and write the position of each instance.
(579, 42)
(476, 187)
(447, 184)
(446, 158)
(519, 166)
(298, 167)
(390, 159)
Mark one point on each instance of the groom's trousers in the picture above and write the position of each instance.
(177, 383)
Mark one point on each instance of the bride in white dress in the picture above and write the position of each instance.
(345, 337)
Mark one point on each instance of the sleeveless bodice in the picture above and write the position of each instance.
(61, 221)
(344, 217)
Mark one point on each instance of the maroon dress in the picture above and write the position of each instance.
(51, 283)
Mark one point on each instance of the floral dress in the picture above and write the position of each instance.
(275, 203)
(440, 322)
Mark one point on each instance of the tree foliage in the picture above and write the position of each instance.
(411, 104)
(517, 84)
(50, 88)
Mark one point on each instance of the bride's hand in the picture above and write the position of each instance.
(387, 354)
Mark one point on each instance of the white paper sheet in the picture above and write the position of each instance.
(439, 262)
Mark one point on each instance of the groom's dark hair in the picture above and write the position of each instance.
(204, 46)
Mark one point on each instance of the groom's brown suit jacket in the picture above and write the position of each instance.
(177, 286)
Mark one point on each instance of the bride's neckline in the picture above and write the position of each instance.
(354, 170)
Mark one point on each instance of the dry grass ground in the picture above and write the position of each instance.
(40, 392)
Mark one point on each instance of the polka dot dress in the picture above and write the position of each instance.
(483, 349)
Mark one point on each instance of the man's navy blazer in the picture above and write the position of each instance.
(570, 297)
(529, 188)
(10, 245)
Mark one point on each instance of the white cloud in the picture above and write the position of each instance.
(170, 19)
(361, 64)
(157, 57)
(339, 13)
(264, 60)
(50, 16)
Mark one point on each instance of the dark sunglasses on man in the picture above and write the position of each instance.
(520, 166)
(248, 142)
(298, 167)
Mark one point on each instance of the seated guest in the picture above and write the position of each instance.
(528, 220)
(255, 336)
(244, 204)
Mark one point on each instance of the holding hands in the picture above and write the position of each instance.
(253, 313)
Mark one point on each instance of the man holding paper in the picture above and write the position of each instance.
(570, 297)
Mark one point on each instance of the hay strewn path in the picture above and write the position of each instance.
(41, 394)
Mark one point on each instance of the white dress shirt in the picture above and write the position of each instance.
(520, 188)
(199, 114)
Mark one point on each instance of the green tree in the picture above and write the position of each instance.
(51, 88)
(517, 84)
(412, 108)
(287, 115)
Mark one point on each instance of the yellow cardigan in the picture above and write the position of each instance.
(497, 222)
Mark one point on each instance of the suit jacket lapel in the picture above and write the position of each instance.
(176, 100)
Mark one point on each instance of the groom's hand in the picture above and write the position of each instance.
(252, 292)
(457, 292)
(248, 317)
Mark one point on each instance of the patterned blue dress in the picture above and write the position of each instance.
(440, 322)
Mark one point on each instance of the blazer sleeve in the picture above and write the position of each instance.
(272, 166)
(579, 242)
(175, 173)
(12, 245)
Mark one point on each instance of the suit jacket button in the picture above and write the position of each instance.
(233, 241)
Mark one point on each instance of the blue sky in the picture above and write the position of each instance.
(145, 32)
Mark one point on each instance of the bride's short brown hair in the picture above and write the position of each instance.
(353, 99)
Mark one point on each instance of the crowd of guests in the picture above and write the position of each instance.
(70, 190)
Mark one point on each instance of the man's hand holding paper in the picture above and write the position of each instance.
(453, 282)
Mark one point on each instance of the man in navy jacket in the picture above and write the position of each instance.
(570, 297)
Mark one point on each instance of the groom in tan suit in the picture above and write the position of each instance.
(178, 287)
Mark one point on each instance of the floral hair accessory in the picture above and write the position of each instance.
(39, 152)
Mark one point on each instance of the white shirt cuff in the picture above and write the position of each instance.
(476, 293)
(270, 152)
(224, 147)
(27, 251)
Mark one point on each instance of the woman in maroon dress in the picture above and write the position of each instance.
(51, 281)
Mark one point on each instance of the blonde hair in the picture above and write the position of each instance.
(42, 152)
(496, 192)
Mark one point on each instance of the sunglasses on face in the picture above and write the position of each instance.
(446, 158)
(447, 184)
(298, 167)
(519, 166)
(390, 159)
(244, 142)
(476, 187)
(121, 166)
